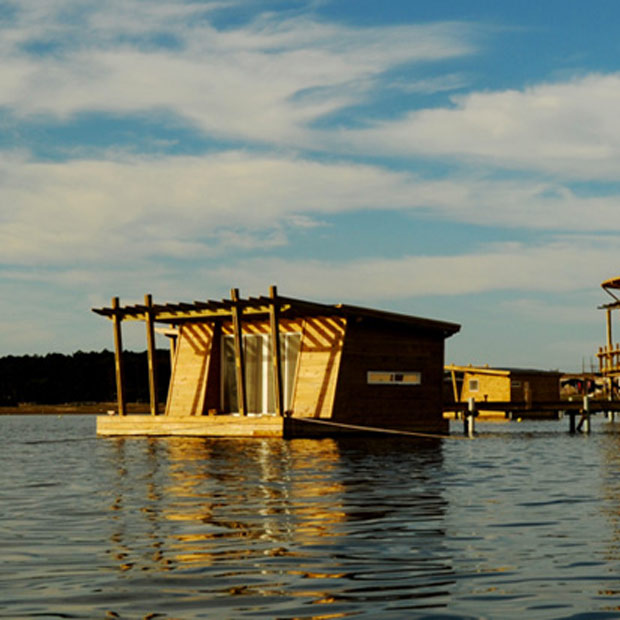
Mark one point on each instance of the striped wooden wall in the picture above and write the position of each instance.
(188, 382)
(195, 369)
(318, 366)
(262, 327)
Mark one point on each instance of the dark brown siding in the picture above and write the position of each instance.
(373, 345)
(543, 386)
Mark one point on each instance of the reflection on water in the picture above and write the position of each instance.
(291, 524)
(523, 521)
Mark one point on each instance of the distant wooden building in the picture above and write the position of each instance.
(523, 386)
(278, 366)
(609, 354)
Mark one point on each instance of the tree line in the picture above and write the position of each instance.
(83, 377)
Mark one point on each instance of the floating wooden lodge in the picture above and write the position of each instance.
(284, 367)
(609, 354)
(519, 386)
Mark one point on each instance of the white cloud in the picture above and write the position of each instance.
(191, 207)
(179, 206)
(559, 266)
(554, 312)
(239, 83)
(569, 128)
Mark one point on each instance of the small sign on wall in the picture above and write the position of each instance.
(385, 377)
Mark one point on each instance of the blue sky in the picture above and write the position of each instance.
(458, 160)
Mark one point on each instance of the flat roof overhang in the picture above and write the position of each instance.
(259, 307)
(610, 285)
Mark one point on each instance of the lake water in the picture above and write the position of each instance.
(521, 522)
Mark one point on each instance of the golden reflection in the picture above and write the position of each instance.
(262, 489)
(201, 496)
(261, 517)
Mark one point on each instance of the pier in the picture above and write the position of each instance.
(578, 411)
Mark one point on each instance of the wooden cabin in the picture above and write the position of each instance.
(278, 366)
(522, 386)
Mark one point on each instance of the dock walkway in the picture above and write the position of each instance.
(584, 408)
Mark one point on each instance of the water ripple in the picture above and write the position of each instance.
(517, 522)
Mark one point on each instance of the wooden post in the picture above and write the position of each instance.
(172, 341)
(608, 357)
(469, 420)
(118, 357)
(455, 390)
(276, 359)
(239, 360)
(151, 352)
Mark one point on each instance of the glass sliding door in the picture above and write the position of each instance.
(259, 378)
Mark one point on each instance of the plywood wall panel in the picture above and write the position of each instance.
(190, 370)
(318, 366)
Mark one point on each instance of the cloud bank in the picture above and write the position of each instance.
(280, 121)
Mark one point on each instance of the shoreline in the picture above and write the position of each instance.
(71, 408)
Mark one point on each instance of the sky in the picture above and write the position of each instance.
(455, 159)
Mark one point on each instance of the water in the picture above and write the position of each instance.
(523, 522)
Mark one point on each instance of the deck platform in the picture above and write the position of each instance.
(191, 426)
(235, 425)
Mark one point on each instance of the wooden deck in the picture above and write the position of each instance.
(191, 426)
(242, 426)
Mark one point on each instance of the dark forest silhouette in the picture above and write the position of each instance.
(83, 377)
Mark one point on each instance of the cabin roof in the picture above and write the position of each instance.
(500, 371)
(257, 307)
(611, 282)
(609, 286)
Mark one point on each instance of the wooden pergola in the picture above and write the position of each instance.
(175, 314)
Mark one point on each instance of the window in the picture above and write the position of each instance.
(259, 381)
(473, 385)
(383, 377)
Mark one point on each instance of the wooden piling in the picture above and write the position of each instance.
(571, 421)
(469, 418)
(586, 414)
